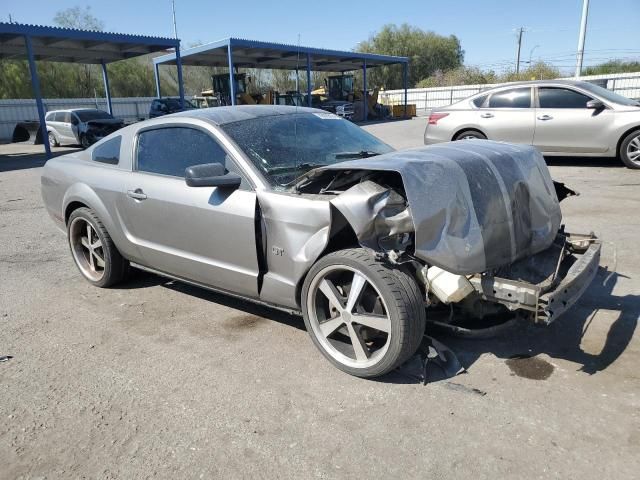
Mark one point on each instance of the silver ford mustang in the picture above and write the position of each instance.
(301, 210)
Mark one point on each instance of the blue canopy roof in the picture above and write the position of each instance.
(58, 44)
(256, 54)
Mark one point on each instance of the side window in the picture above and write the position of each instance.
(66, 117)
(169, 151)
(58, 117)
(49, 117)
(550, 97)
(108, 152)
(513, 98)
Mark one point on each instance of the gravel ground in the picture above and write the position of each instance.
(158, 379)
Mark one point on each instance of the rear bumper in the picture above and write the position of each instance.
(577, 262)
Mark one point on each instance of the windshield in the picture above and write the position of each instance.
(174, 104)
(608, 94)
(86, 115)
(284, 147)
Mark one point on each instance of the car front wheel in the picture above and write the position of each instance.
(365, 316)
(630, 150)
(84, 141)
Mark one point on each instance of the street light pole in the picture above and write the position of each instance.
(583, 34)
(175, 28)
(519, 46)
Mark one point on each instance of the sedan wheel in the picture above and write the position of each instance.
(470, 135)
(630, 150)
(363, 316)
(93, 250)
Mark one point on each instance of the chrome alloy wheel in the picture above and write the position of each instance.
(87, 249)
(348, 316)
(633, 150)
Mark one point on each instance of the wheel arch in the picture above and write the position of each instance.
(623, 136)
(341, 236)
(466, 129)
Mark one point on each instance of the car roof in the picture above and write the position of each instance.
(78, 110)
(533, 83)
(224, 115)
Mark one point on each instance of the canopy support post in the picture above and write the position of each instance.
(35, 85)
(365, 103)
(308, 79)
(156, 72)
(232, 83)
(405, 82)
(107, 90)
(180, 82)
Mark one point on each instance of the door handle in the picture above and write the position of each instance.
(545, 117)
(486, 115)
(137, 194)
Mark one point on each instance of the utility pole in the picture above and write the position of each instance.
(175, 28)
(583, 34)
(520, 32)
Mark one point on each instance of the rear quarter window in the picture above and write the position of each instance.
(108, 152)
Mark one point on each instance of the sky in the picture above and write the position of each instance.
(486, 28)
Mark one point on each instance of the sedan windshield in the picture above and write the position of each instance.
(284, 147)
(609, 95)
(86, 115)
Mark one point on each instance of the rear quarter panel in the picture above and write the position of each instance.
(76, 178)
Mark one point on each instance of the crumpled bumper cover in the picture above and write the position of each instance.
(547, 300)
(580, 275)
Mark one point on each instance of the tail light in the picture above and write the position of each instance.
(434, 117)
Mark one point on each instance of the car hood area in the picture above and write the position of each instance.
(468, 206)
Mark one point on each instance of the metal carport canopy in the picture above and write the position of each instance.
(56, 44)
(242, 53)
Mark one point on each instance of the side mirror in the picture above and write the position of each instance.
(211, 175)
(595, 104)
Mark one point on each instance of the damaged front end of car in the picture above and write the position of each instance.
(478, 223)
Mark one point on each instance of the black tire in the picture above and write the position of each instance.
(53, 141)
(115, 268)
(84, 142)
(631, 146)
(469, 134)
(402, 299)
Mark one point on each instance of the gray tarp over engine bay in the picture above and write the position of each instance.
(475, 204)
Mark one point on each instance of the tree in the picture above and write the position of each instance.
(612, 66)
(459, 76)
(428, 52)
(78, 17)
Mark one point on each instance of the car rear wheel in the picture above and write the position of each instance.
(470, 134)
(630, 150)
(53, 141)
(93, 250)
(364, 316)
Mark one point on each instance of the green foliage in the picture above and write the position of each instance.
(78, 17)
(428, 52)
(475, 76)
(612, 66)
(459, 76)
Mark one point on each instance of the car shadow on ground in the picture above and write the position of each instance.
(563, 339)
(17, 160)
(607, 162)
(142, 279)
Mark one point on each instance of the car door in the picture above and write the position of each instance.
(564, 124)
(63, 122)
(202, 234)
(55, 122)
(507, 115)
